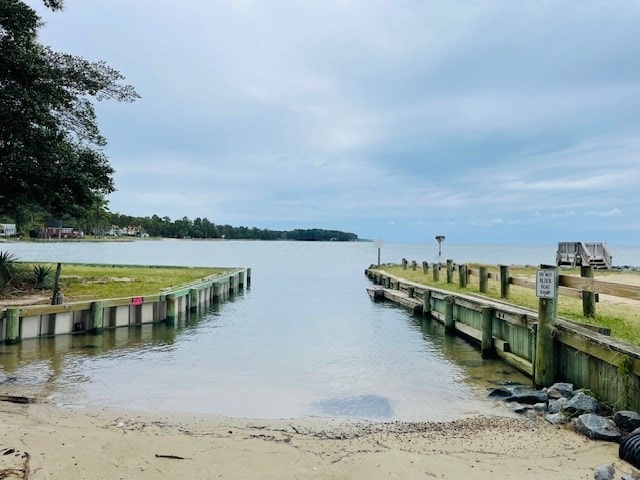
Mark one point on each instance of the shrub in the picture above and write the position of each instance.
(8, 269)
(41, 277)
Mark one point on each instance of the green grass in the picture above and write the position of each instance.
(618, 315)
(91, 282)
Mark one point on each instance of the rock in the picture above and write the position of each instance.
(560, 390)
(529, 398)
(581, 403)
(555, 418)
(604, 472)
(597, 427)
(626, 476)
(627, 420)
(541, 407)
(556, 406)
(500, 393)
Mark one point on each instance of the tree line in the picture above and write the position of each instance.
(203, 228)
(101, 222)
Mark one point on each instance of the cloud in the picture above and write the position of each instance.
(614, 212)
(479, 117)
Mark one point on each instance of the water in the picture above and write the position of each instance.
(305, 340)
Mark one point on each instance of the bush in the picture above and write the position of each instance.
(8, 269)
(41, 277)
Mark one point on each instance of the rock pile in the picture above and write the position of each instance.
(561, 404)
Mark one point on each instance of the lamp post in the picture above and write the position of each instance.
(440, 239)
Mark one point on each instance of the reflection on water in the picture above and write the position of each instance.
(304, 340)
(183, 368)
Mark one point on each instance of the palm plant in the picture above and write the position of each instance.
(8, 268)
(41, 276)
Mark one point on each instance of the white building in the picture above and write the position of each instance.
(7, 230)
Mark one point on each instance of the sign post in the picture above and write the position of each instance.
(546, 283)
(547, 291)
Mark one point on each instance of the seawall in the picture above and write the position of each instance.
(19, 323)
(582, 356)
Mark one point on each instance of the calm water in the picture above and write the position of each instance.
(304, 340)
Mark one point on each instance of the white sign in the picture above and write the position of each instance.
(379, 243)
(546, 284)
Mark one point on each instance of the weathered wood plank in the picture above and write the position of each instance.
(35, 310)
(516, 362)
(597, 345)
(470, 304)
(468, 331)
(598, 286)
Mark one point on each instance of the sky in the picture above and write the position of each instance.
(484, 121)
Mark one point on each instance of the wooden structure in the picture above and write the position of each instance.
(579, 354)
(18, 323)
(581, 254)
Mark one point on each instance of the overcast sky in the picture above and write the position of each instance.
(484, 121)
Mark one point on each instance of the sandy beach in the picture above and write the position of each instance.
(53, 442)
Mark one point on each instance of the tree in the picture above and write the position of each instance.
(51, 149)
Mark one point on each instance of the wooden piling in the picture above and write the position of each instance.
(171, 310)
(462, 276)
(504, 281)
(248, 277)
(217, 291)
(404, 263)
(449, 271)
(484, 279)
(544, 369)
(436, 272)
(410, 291)
(97, 317)
(425, 267)
(588, 298)
(449, 321)
(426, 303)
(193, 300)
(13, 325)
(486, 343)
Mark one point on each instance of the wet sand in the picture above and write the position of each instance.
(109, 444)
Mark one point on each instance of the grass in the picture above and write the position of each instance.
(622, 318)
(93, 282)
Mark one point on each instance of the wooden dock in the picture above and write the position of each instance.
(579, 354)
